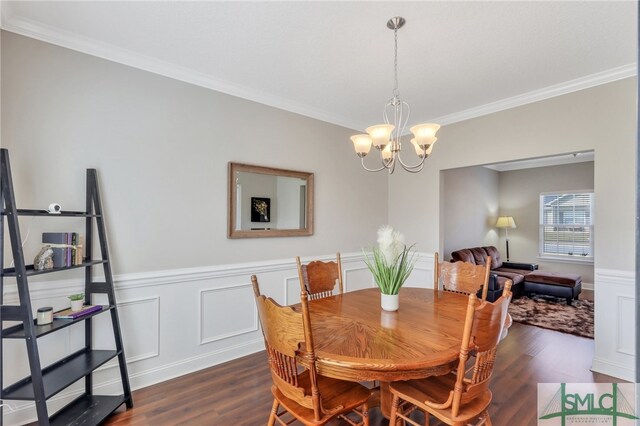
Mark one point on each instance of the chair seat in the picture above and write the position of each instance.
(436, 389)
(335, 393)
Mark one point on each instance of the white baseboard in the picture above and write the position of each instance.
(612, 369)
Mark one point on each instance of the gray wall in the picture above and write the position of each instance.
(470, 208)
(601, 118)
(520, 197)
(161, 148)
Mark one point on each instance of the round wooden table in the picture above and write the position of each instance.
(356, 340)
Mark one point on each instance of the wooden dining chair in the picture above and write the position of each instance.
(462, 277)
(297, 388)
(319, 279)
(463, 396)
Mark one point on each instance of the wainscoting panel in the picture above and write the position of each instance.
(615, 323)
(422, 275)
(292, 290)
(626, 337)
(357, 278)
(174, 322)
(218, 318)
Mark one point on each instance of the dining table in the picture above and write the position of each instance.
(356, 340)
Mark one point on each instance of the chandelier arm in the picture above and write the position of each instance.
(415, 170)
(414, 167)
(372, 170)
(392, 165)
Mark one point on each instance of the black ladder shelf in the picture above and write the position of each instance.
(86, 409)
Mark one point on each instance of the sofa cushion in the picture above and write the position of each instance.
(554, 278)
(517, 278)
(463, 255)
(479, 255)
(496, 261)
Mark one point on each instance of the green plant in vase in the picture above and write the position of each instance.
(391, 263)
(77, 300)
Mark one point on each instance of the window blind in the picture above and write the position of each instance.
(566, 224)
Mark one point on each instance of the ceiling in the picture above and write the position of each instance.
(334, 60)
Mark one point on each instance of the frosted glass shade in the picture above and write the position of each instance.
(386, 153)
(505, 222)
(380, 134)
(362, 144)
(419, 151)
(425, 134)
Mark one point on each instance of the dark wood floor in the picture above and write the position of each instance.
(237, 393)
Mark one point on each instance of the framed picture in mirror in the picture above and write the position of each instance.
(269, 202)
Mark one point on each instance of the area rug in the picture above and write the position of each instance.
(554, 314)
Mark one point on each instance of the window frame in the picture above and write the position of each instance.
(560, 257)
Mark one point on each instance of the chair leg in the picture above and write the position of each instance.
(394, 409)
(487, 419)
(394, 420)
(365, 414)
(274, 412)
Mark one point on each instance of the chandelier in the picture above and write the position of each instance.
(387, 137)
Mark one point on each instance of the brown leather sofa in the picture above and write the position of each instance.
(500, 271)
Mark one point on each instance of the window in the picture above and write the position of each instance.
(566, 225)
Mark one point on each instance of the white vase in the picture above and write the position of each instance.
(76, 305)
(389, 302)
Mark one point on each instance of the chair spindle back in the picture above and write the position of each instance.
(482, 331)
(287, 334)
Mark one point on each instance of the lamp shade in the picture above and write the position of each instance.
(421, 152)
(425, 134)
(387, 155)
(362, 144)
(380, 134)
(505, 222)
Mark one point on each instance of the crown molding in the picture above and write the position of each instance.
(33, 29)
(607, 76)
(58, 37)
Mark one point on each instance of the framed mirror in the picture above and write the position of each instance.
(268, 202)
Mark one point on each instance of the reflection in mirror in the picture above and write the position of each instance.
(268, 202)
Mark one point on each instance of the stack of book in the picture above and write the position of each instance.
(66, 246)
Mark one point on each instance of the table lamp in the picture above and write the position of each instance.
(506, 222)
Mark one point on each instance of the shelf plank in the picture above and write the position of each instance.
(87, 410)
(11, 272)
(61, 374)
(17, 331)
(32, 212)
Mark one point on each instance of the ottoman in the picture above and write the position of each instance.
(556, 284)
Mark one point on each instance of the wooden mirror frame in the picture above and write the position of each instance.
(233, 168)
